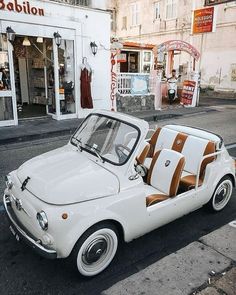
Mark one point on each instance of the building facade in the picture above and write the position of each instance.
(150, 23)
(40, 68)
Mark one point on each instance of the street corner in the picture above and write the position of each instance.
(223, 240)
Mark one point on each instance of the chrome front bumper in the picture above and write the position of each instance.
(20, 233)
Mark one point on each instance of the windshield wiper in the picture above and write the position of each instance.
(78, 143)
(93, 149)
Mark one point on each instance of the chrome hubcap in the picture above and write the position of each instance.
(95, 251)
(222, 195)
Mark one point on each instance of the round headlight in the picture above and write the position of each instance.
(42, 220)
(8, 181)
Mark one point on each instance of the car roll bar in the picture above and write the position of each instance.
(199, 166)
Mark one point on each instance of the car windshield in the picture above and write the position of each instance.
(107, 138)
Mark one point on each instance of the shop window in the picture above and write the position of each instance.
(5, 83)
(156, 10)
(135, 14)
(171, 9)
(6, 108)
(147, 59)
(132, 62)
(66, 77)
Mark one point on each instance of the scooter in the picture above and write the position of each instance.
(172, 88)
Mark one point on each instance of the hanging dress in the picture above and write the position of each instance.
(85, 89)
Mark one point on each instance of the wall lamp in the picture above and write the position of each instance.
(57, 37)
(94, 48)
(11, 34)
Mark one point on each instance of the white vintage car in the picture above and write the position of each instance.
(110, 183)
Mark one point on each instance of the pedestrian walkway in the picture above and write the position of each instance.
(38, 128)
(32, 129)
(204, 267)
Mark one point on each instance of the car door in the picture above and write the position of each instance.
(171, 209)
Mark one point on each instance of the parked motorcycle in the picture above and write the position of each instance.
(172, 88)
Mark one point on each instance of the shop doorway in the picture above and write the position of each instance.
(34, 76)
(132, 62)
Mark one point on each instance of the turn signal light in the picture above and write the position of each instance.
(64, 216)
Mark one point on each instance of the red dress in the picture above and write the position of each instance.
(85, 89)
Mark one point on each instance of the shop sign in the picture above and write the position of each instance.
(139, 84)
(121, 57)
(215, 2)
(178, 45)
(187, 92)
(24, 7)
(203, 20)
(113, 80)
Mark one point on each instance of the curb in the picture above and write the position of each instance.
(155, 117)
(36, 136)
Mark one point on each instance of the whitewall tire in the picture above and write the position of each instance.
(222, 194)
(95, 249)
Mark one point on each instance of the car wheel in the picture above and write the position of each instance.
(95, 249)
(221, 194)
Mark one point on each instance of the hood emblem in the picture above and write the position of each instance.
(167, 163)
(23, 187)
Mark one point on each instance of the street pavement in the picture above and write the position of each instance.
(169, 257)
(181, 272)
(34, 129)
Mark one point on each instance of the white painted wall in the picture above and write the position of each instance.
(218, 49)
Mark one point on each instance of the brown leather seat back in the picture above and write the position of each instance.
(210, 149)
(141, 158)
(179, 142)
(153, 141)
(165, 171)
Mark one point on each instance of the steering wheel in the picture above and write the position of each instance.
(119, 149)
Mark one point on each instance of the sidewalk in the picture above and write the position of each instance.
(31, 129)
(204, 267)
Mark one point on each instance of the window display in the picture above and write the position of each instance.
(66, 77)
(4, 65)
(6, 108)
(147, 59)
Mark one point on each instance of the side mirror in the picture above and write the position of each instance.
(140, 170)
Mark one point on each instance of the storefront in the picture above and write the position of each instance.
(182, 57)
(44, 46)
(136, 58)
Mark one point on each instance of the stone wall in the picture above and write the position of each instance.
(134, 103)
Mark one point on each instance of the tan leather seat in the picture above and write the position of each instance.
(141, 158)
(165, 138)
(194, 150)
(164, 176)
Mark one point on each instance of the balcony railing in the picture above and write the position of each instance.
(86, 3)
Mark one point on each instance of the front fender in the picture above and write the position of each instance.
(79, 223)
(214, 173)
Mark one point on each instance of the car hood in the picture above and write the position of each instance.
(65, 176)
